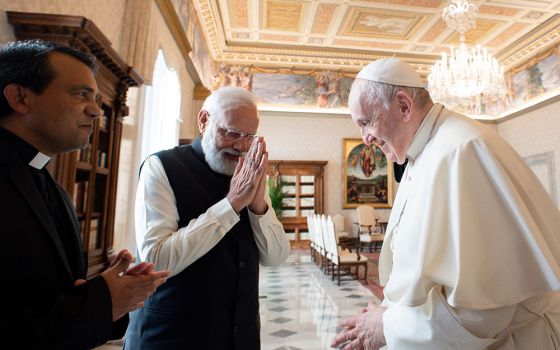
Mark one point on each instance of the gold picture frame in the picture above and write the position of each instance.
(367, 175)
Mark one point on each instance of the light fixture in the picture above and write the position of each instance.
(469, 79)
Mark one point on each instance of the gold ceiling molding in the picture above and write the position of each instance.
(303, 62)
(341, 73)
(323, 52)
(535, 59)
(540, 38)
(215, 39)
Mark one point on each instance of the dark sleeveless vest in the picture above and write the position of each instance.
(213, 303)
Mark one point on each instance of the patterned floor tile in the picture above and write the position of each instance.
(278, 300)
(282, 320)
(279, 309)
(283, 333)
(306, 314)
(354, 296)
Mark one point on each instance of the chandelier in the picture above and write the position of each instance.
(469, 79)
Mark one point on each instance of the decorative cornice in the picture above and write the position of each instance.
(315, 62)
(540, 38)
(215, 37)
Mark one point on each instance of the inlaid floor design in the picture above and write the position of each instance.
(300, 305)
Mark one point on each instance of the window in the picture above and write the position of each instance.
(160, 129)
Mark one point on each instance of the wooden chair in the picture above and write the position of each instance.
(312, 238)
(369, 229)
(342, 259)
(344, 239)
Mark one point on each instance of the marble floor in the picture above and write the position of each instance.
(300, 306)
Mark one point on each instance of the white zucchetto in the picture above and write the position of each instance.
(391, 71)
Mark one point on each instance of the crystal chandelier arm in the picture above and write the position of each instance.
(460, 15)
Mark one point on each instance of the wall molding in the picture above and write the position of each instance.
(546, 159)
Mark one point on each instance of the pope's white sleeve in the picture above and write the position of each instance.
(436, 325)
(271, 240)
(158, 236)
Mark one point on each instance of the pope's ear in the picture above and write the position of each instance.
(405, 105)
(203, 120)
(18, 97)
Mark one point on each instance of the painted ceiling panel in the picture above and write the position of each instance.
(337, 34)
(283, 15)
(474, 36)
(379, 23)
(323, 18)
(238, 13)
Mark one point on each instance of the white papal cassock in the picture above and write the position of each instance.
(471, 258)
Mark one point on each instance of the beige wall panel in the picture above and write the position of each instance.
(536, 133)
(106, 14)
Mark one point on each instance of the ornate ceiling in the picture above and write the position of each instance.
(347, 34)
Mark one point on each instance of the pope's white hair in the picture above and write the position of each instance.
(369, 92)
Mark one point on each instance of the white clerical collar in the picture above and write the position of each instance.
(39, 161)
(424, 132)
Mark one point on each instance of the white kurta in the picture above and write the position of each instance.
(161, 241)
(471, 258)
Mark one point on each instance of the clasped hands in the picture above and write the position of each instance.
(248, 184)
(129, 287)
(362, 332)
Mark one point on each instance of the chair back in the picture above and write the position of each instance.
(319, 234)
(311, 230)
(366, 218)
(338, 221)
(333, 241)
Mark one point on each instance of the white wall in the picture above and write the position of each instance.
(314, 136)
(536, 136)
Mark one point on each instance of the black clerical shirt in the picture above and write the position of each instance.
(52, 198)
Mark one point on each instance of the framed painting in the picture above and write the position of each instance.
(367, 176)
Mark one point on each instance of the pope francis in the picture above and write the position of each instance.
(471, 258)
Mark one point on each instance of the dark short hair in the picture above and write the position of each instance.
(26, 63)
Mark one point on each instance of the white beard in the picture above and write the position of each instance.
(215, 157)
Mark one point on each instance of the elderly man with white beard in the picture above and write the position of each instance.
(202, 212)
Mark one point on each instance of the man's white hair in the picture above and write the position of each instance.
(371, 92)
(227, 99)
